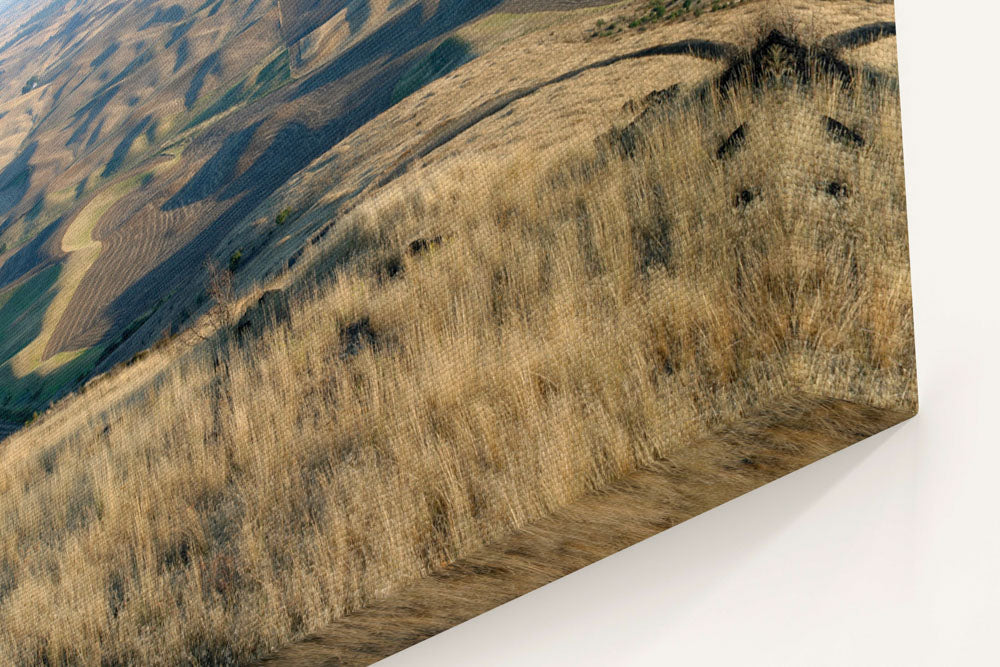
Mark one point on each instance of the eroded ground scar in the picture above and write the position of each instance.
(860, 36)
(733, 143)
(842, 133)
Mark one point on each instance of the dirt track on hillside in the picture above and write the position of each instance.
(448, 130)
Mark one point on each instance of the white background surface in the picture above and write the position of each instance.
(887, 553)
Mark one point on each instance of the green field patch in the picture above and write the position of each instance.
(30, 312)
(49, 294)
(78, 235)
(22, 311)
(232, 97)
(36, 210)
(127, 147)
(21, 396)
(480, 37)
(451, 54)
(275, 73)
(271, 77)
(66, 369)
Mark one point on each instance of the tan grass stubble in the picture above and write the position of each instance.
(579, 321)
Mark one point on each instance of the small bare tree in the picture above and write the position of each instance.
(220, 291)
(223, 301)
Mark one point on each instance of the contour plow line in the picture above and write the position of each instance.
(82, 250)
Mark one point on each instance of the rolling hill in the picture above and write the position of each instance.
(474, 271)
(142, 140)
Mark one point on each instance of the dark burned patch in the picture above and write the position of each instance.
(654, 245)
(797, 60)
(654, 99)
(357, 336)
(221, 575)
(621, 140)
(48, 459)
(774, 59)
(271, 308)
(843, 133)
(116, 594)
(625, 140)
(390, 268)
(733, 143)
(422, 245)
(176, 555)
(8, 582)
(745, 197)
(837, 190)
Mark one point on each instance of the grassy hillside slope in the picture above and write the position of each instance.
(474, 345)
(178, 121)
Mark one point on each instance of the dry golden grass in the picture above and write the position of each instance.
(540, 123)
(580, 320)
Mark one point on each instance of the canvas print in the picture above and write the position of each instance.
(326, 326)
